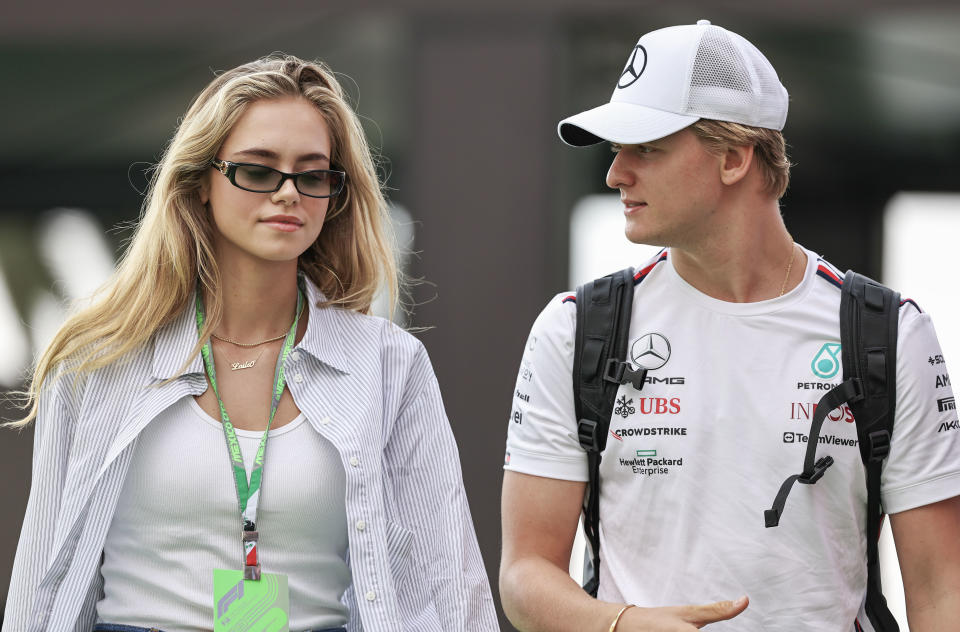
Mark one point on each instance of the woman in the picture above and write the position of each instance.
(237, 315)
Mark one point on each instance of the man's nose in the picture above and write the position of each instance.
(619, 175)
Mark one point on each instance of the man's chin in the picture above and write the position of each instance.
(643, 238)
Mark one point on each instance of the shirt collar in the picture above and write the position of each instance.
(173, 344)
(322, 340)
(326, 330)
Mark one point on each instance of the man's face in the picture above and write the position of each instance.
(670, 189)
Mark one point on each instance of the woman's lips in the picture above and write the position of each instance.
(285, 223)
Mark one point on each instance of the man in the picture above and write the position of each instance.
(739, 328)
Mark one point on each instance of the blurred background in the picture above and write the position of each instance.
(462, 99)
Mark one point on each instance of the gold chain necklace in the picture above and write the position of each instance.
(786, 277)
(248, 344)
(256, 344)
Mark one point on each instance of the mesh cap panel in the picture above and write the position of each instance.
(732, 81)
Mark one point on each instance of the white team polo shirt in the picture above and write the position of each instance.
(694, 458)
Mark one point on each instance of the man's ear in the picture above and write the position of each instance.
(735, 163)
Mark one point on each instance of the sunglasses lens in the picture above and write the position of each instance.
(256, 178)
(319, 183)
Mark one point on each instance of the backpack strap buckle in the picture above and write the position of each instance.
(614, 370)
(819, 469)
(619, 372)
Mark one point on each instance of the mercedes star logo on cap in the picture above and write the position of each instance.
(650, 351)
(635, 67)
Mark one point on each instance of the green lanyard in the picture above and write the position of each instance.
(248, 494)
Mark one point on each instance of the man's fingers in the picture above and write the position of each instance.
(713, 612)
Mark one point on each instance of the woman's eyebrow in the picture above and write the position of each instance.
(266, 153)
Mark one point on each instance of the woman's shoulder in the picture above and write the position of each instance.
(72, 387)
(106, 368)
(378, 331)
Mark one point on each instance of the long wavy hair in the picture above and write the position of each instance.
(172, 248)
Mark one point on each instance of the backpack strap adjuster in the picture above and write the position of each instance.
(879, 445)
(587, 434)
(853, 390)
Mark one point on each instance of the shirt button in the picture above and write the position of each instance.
(324, 421)
(295, 356)
(361, 525)
(298, 378)
(354, 461)
(371, 595)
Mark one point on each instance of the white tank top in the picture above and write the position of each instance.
(177, 519)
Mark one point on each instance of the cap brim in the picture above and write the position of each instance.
(622, 123)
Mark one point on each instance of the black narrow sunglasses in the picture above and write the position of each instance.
(316, 183)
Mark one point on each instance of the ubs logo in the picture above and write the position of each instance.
(635, 67)
(650, 351)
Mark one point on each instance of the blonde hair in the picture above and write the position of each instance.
(769, 148)
(172, 248)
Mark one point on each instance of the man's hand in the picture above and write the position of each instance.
(679, 618)
(539, 524)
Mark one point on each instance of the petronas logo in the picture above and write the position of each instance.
(826, 363)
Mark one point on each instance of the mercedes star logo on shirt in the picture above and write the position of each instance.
(635, 67)
(650, 351)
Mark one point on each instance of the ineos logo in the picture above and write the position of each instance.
(650, 351)
(635, 67)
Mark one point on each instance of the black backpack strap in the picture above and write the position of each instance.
(813, 468)
(869, 315)
(868, 337)
(603, 326)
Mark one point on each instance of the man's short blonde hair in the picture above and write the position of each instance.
(770, 149)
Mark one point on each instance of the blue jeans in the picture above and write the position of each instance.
(116, 627)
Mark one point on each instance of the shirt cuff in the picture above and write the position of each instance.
(567, 468)
(920, 494)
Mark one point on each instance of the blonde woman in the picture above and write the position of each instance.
(238, 315)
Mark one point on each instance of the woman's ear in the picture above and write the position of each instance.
(204, 190)
(736, 163)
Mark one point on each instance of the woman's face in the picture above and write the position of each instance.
(287, 134)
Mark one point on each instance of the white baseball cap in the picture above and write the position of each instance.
(677, 75)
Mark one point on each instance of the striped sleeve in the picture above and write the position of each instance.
(53, 434)
(447, 587)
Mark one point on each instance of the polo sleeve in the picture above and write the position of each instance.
(52, 436)
(924, 462)
(542, 428)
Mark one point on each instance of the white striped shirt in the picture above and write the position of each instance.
(364, 384)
